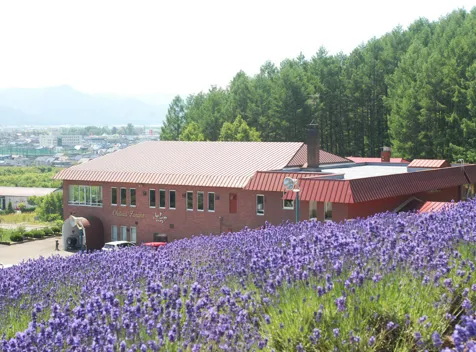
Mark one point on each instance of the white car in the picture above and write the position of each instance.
(109, 246)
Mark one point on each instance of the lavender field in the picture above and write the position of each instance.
(388, 283)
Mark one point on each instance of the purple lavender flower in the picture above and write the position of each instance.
(340, 303)
(435, 337)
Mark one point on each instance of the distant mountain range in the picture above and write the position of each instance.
(63, 105)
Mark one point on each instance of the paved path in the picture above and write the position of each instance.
(30, 250)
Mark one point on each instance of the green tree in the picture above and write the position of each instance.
(174, 120)
(238, 131)
(50, 207)
(192, 133)
(10, 209)
(130, 130)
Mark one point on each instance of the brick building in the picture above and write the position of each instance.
(173, 190)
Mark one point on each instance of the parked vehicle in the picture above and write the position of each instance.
(109, 246)
(154, 245)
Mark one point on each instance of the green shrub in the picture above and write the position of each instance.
(37, 233)
(48, 231)
(28, 234)
(14, 237)
(56, 229)
(21, 206)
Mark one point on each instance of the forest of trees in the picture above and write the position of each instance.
(414, 90)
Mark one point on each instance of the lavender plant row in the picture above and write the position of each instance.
(390, 282)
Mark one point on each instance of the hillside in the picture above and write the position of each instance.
(65, 105)
(412, 89)
(391, 282)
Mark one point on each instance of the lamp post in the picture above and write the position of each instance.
(297, 204)
(291, 184)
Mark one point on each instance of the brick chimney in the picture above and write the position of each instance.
(313, 146)
(386, 154)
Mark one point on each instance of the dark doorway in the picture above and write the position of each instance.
(233, 203)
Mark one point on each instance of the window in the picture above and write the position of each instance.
(123, 233)
(96, 195)
(132, 195)
(85, 195)
(162, 198)
(113, 196)
(327, 211)
(312, 209)
(211, 201)
(288, 204)
(259, 204)
(114, 233)
(152, 198)
(190, 201)
(123, 197)
(133, 234)
(171, 199)
(200, 201)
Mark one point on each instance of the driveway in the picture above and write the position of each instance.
(31, 250)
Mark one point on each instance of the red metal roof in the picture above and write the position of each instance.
(300, 159)
(428, 163)
(380, 187)
(429, 207)
(273, 181)
(358, 159)
(208, 164)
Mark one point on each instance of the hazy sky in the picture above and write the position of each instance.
(152, 47)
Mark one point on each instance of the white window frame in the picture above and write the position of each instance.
(257, 211)
(130, 197)
(112, 233)
(160, 198)
(203, 200)
(186, 200)
(208, 202)
(155, 198)
(86, 192)
(175, 196)
(125, 200)
(133, 229)
(114, 205)
(284, 204)
(123, 231)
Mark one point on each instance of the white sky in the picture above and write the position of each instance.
(141, 47)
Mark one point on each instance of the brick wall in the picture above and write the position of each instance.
(185, 223)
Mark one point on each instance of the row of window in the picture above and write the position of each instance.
(161, 202)
(126, 234)
(92, 196)
(123, 196)
(85, 195)
(201, 201)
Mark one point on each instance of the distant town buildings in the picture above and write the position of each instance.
(53, 148)
(62, 141)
